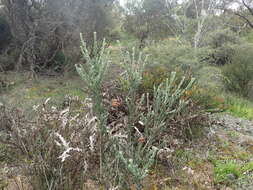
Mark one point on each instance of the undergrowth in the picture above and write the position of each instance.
(229, 171)
(112, 138)
(239, 107)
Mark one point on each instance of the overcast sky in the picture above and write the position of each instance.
(122, 2)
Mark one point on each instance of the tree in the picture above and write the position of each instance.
(43, 28)
(147, 18)
(192, 19)
(248, 6)
(241, 8)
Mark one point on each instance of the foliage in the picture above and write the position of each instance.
(248, 167)
(208, 99)
(171, 54)
(239, 107)
(227, 171)
(5, 33)
(147, 19)
(222, 46)
(54, 26)
(230, 170)
(8, 60)
(238, 75)
(221, 37)
(113, 137)
(249, 37)
(60, 61)
(36, 146)
(153, 76)
(128, 155)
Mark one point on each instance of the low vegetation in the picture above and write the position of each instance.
(157, 96)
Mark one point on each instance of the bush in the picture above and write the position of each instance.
(221, 43)
(207, 99)
(5, 33)
(113, 139)
(221, 55)
(8, 60)
(221, 37)
(238, 76)
(249, 37)
(59, 61)
(154, 75)
(40, 147)
(175, 56)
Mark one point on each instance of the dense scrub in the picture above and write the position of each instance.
(113, 137)
(141, 103)
(238, 75)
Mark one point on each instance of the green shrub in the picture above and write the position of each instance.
(5, 33)
(8, 60)
(111, 138)
(171, 54)
(249, 37)
(221, 55)
(156, 74)
(221, 43)
(115, 34)
(177, 56)
(221, 37)
(59, 61)
(153, 76)
(238, 75)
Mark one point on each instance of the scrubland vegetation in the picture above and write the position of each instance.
(145, 94)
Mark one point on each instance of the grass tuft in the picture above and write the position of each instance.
(240, 107)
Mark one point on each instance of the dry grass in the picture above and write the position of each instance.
(26, 92)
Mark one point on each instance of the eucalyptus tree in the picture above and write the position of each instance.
(43, 28)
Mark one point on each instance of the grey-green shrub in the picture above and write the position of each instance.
(126, 160)
(63, 149)
(221, 37)
(173, 55)
(238, 76)
(222, 46)
(5, 33)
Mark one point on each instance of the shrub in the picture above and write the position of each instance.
(207, 99)
(221, 37)
(154, 75)
(182, 57)
(171, 54)
(221, 43)
(238, 76)
(59, 61)
(8, 60)
(221, 55)
(148, 117)
(5, 33)
(113, 140)
(249, 37)
(40, 147)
